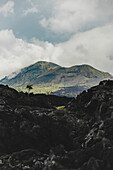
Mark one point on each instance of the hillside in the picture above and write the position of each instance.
(29, 75)
(61, 80)
(45, 132)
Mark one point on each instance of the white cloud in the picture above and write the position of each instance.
(93, 47)
(30, 11)
(75, 15)
(7, 9)
(17, 53)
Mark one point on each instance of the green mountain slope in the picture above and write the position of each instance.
(63, 81)
(30, 74)
(72, 75)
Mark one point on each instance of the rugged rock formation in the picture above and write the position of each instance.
(39, 132)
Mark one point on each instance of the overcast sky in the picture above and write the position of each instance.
(67, 32)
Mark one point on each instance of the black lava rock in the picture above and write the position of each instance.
(47, 132)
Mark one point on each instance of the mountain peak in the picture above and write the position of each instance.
(43, 63)
(48, 74)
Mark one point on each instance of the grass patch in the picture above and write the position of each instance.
(41, 88)
(60, 107)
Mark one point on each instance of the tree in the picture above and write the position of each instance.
(29, 87)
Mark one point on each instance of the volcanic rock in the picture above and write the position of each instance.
(47, 132)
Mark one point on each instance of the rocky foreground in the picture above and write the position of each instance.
(39, 132)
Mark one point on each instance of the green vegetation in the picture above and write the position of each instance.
(47, 77)
(60, 107)
(40, 89)
(44, 73)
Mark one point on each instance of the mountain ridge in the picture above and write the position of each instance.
(47, 74)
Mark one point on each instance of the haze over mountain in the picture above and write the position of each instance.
(71, 80)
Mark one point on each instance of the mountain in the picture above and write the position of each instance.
(64, 81)
(48, 132)
(28, 75)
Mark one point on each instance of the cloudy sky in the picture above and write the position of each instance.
(67, 32)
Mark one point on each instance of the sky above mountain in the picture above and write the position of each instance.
(67, 32)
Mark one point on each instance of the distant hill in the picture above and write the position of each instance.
(29, 75)
(69, 81)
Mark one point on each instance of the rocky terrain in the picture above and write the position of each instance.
(45, 132)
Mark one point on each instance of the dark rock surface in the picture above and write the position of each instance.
(37, 133)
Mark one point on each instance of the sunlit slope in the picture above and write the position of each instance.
(47, 76)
